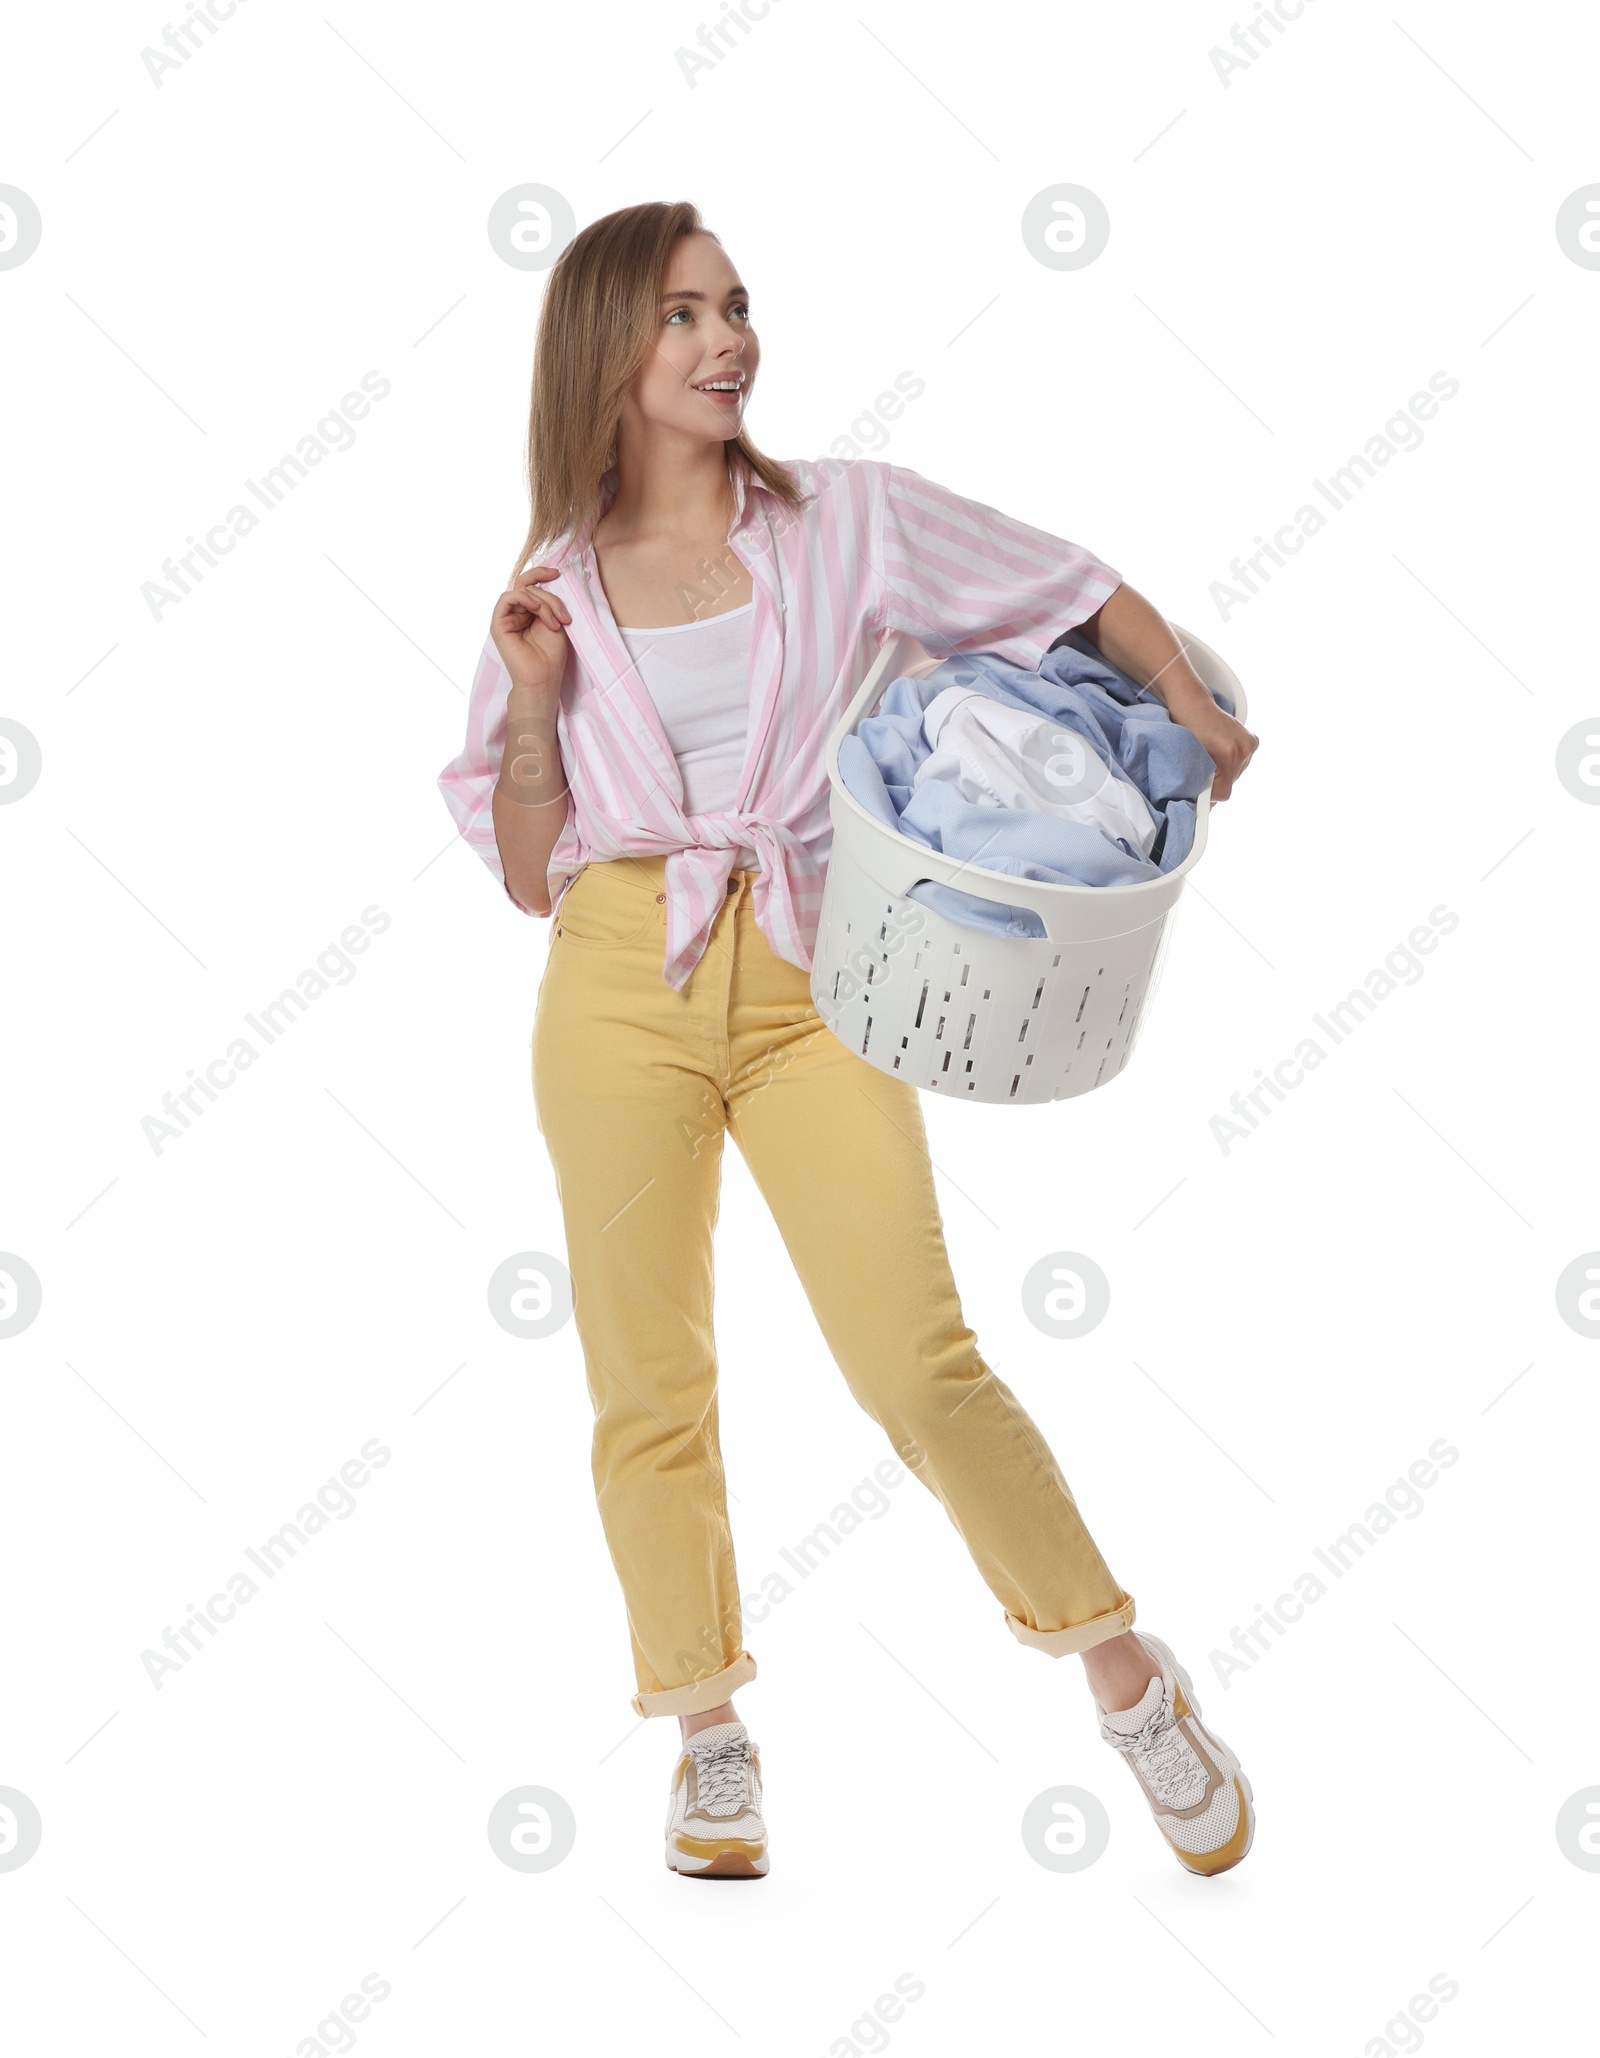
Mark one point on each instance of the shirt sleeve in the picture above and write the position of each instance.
(469, 780)
(960, 576)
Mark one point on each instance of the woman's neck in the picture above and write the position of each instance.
(688, 497)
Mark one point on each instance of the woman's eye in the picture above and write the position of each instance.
(739, 309)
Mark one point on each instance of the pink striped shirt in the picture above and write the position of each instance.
(876, 548)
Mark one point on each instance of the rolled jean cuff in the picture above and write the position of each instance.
(700, 1694)
(1082, 1636)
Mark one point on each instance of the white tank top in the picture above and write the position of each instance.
(698, 675)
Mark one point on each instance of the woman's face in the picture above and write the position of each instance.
(698, 377)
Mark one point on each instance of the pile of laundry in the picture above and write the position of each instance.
(1072, 774)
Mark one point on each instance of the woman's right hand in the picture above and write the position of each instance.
(528, 629)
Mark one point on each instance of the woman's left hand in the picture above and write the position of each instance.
(1229, 744)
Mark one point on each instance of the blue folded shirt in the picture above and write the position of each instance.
(1076, 687)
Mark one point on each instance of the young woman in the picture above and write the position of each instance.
(644, 763)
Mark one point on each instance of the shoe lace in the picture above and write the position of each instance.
(1162, 1753)
(724, 1774)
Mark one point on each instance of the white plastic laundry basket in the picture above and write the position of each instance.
(958, 1011)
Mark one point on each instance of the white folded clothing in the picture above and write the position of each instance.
(1000, 756)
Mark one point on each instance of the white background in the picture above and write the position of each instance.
(1293, 1322)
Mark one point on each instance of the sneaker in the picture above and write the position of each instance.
(1194, 1784)
(714, 1825)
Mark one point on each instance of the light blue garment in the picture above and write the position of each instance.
(1076, 687)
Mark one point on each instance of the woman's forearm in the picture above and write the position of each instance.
(1136, 638)
(531, 800)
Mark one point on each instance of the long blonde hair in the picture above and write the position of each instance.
(596, 326)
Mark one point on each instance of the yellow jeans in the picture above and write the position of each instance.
(635, 1086)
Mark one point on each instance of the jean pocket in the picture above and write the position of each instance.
(601, 918)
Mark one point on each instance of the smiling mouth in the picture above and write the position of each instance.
(724, 390)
